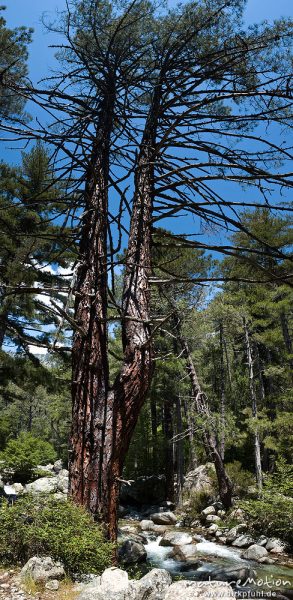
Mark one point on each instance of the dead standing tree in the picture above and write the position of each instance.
(171, 99)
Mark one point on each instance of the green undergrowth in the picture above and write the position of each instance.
(23, 454)
(45, 526)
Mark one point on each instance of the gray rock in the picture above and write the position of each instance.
(209, 510)
(231, 574)
(128, 529)
(200, 480)
(132, 552)
(195, 523)
(146, 525)
(275, 546)
(166, 518)
(52, 585)
(58, 466)
(188, 553)
(214, 529)
(113, 585)
(144, 490)
(63, 481)
(266, 560)
(213, 519)
(243, 541)
(234, 532)
(175, 539)
(191, 590)
(42, 568)
(255, 552)
(153, 585)
(18, 487)
(262, 540)
(44, 485)
(159, 529)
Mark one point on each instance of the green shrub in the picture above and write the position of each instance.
(24, 453)
(197, 502)
(272, 515)
(240, 478)
(45, 526)
(281, 481)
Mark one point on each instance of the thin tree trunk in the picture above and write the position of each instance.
(179, 451)
(223, 394)
(193, 463)
(169, 448)
(227, 363)
(257, 453)
(208, 436)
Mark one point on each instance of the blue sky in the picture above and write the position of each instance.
(41, 59)
(28, 12)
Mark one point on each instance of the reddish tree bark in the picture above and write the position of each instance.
(104, 418)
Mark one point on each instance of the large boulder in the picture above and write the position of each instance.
(115, 585)
(112, 585)
(234, 532)
(192, 590)
(187, 553)
(63, 481)
(146, 525)
(144, 490)
(153, 585)
(172, 538)
(275, 546)
(42, 568)
(132, 552)
(255, 552)
(164, 518)
(44, 485)
(200, 479)
(243, 541)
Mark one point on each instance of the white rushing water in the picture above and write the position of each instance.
(217, 550)
(158, 554)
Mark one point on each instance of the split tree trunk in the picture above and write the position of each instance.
(208, 436)
(257, 453)
(104, 418)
